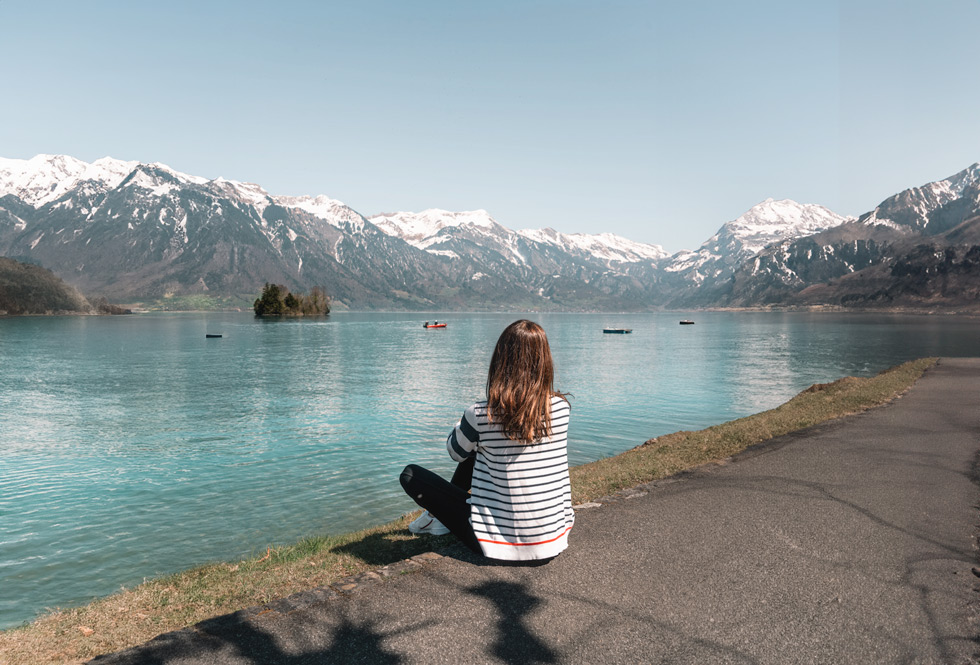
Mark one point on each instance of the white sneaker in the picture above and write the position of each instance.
(426, 523)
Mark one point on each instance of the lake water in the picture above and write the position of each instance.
(131, 447)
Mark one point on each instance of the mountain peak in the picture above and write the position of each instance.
(414, 227)
(605, 246)
(182, 177)
(778, 208)
(44, 178)
(330, 210)
(968, 177)
(923, 209)
(767, 222)
(773, 220)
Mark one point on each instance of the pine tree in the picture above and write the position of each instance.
(270, 303)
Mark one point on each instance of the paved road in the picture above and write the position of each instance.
(853, 542)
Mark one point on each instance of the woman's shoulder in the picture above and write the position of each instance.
(559, 405)
(477, 408)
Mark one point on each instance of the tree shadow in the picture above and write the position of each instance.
(515, 642)
(239, 640)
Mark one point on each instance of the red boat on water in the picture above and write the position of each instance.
(433, 325)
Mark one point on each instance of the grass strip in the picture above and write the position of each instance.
(666, 455)
(134, 616)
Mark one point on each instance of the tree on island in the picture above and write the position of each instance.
(277, 301)
(103, 306)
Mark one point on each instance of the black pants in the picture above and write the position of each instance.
(444, 500)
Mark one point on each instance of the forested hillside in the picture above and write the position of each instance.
(30, 289)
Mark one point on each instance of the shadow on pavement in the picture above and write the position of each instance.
(225, 639)
(515, 641)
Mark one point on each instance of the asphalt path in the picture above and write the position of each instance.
(852, 542)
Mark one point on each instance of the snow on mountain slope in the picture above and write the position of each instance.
(423, 230)
(44, 178)
(959, 183)
(131, 229)
(322, 207)
(924, 208)
(246, 192)
(415, 227)
(182, 177)
(603, 246)
(765, 223)
(772, 221)
(153, 182)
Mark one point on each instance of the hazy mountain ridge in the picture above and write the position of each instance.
(425, 230)
(131, 231)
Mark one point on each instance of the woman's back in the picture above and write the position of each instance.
(520, 500)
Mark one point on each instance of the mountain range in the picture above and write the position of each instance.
(133, 231)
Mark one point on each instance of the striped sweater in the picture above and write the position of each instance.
(521, 499)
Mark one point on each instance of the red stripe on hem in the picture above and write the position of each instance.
(540, 542)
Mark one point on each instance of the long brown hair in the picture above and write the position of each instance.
(520, 383)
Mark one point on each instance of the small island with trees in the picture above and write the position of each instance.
(277, 301)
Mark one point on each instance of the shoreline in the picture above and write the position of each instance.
(136, 615)
(973, 312)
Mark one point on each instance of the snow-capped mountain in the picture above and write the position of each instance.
(603, 246)
(152, 232)
(435, 230)
(703, 275)
(133, 231)
(423, 231)
(772, 221)
(415, 227)
(930, 230)
(547, 265)
(933, 208)
(784, 268)
(45, 178)
(322, 207)
(596, 270)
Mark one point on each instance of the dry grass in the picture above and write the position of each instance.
(136, 615)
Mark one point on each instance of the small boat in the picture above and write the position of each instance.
(433, 325)
(687, 322)
(617, 331)
(212, 335)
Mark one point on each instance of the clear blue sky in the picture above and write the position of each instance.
(658, 121)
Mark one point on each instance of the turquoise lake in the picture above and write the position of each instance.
(131, 447)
